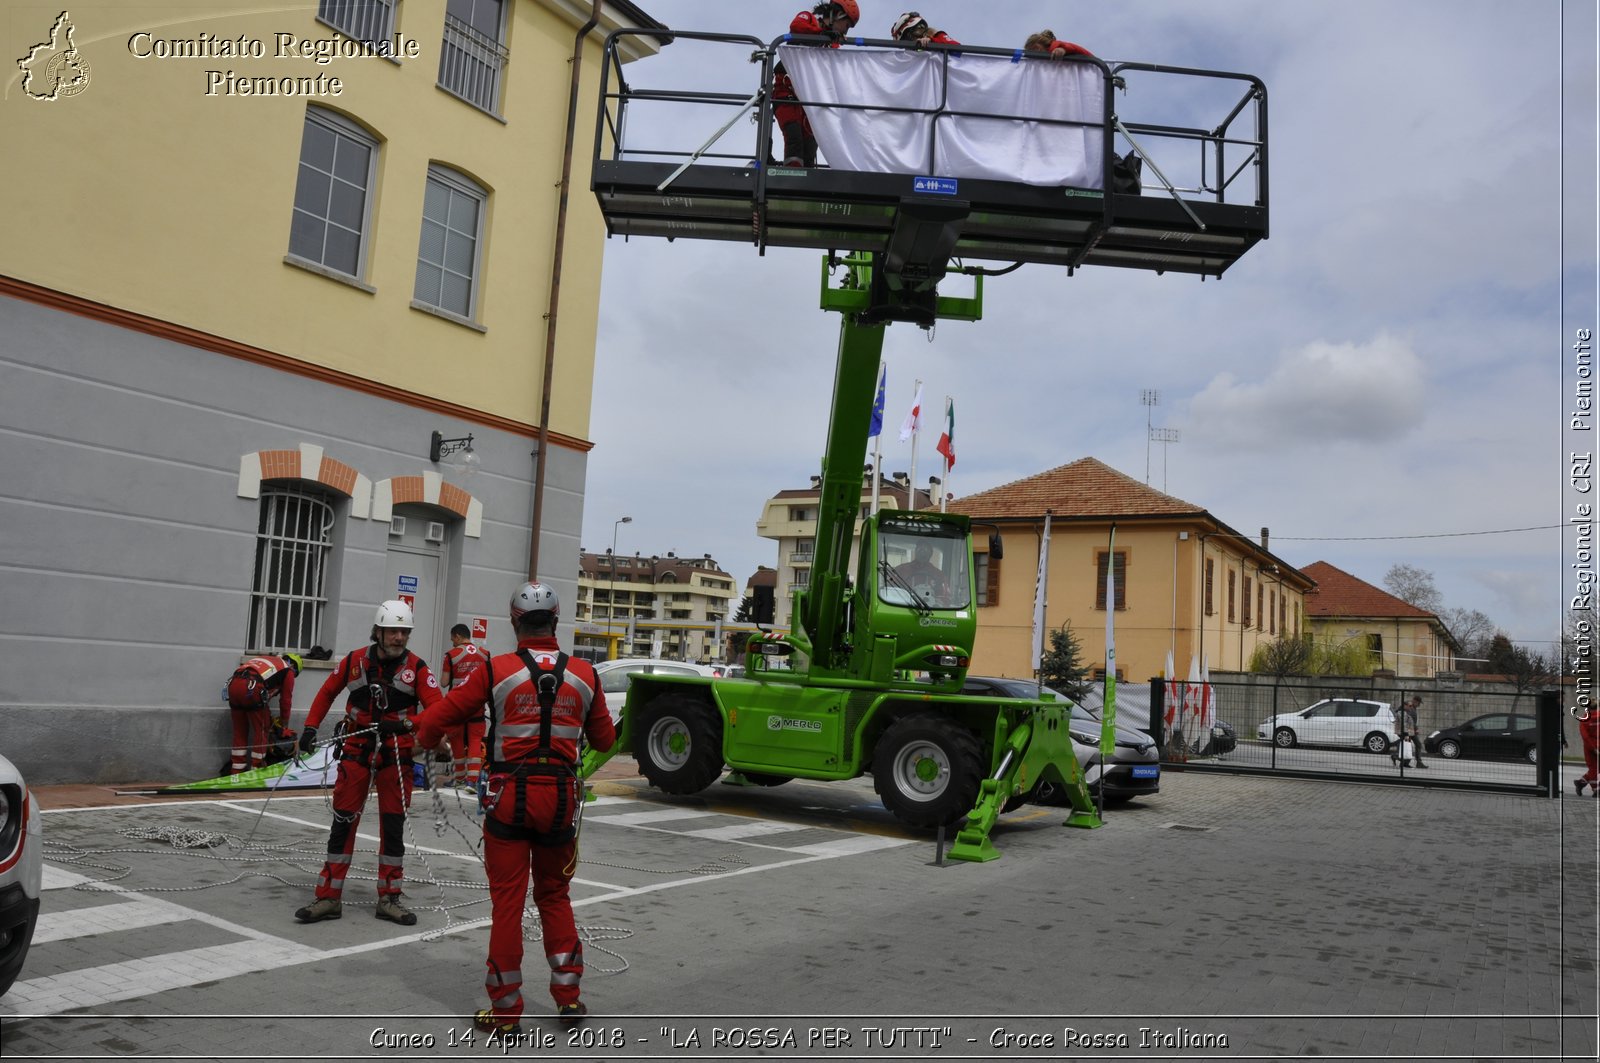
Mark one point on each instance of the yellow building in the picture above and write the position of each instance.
(267, 269)
(1410, 642)
(1186, 583)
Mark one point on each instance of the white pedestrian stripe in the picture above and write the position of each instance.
(131, 979)
(851, 844)
(750, 828)
(106, 919)
(642, 819)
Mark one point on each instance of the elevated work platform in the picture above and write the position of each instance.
(1193, 214)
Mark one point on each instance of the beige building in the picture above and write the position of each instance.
(1186, 583)
(1410, 642)
(672, 607)
(267, 270)
(790, 517)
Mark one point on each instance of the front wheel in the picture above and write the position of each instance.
(1449, 749)
(1283, 738)
(1376, 742)
(1532, 755)
(678, 744)
(926, 770)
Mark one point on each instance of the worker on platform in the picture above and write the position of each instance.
(832, 19)
(911, 26)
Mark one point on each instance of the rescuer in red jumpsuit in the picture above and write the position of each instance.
(540, 703)
(1045, 41)
(466, 742)
(911, 26)
(385, 681)
(1589, 731)
(250, 693)
(833, 19)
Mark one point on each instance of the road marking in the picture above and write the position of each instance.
(639, 819)
(106, 919)
(750, 828)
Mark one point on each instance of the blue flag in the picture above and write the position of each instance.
(876, 426)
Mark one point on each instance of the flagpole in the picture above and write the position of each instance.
(916, 427)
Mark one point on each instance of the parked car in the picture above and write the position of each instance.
(21, 871)
(1495, 734)
(615, 676)
(1135, 769)
(1355, 722)
(1219, 738)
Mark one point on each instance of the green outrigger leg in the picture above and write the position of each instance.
(1038, 749)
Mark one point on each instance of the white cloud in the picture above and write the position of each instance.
(1320, 394)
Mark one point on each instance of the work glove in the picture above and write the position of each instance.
(308, 739)
(402, 726)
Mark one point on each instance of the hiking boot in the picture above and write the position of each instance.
(1577, 786)
(487, 1021)
(318, 910)
(571, 1014)
(391, 909)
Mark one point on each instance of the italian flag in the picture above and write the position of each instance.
(947, 439)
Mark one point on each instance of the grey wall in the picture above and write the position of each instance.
(126, 555)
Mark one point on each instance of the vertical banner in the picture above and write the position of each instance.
(1108, 716)
(1039, 598)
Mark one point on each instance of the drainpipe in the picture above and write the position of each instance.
(550, 317)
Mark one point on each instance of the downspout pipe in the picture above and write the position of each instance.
(552, 315)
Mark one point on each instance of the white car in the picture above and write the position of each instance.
(616, 675)
(21, 871)
(1354, 722)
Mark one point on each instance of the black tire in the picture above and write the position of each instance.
(761, 778)
(1449, 749)
(1284, 738)
(1376, 742)
(1532, 754)
(926, 770)
(678, 744)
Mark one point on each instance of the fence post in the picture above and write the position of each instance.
(1158, 715)
(1549, 743)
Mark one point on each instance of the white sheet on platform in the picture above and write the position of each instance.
(1002, 149)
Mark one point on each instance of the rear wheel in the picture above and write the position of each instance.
(1376, 742)
(678, 744)
(1449, 749)
(1532, 754)
(1283, 738)
(926, 770)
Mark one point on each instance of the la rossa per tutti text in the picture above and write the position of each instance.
(319, 51)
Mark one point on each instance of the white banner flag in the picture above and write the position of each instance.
(1039, 595)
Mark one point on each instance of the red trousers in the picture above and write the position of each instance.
(549, 807)
(1589, 730)
(252, 722)
(364, 762)
(466, 752)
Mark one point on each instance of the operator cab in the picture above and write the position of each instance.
(923, 566)
(977, 154)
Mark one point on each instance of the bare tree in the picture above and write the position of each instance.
(1285, 655)
(1414, 585)
(1472, 630)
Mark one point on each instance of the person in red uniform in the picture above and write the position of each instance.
(1045, 41)
(540, 704)
(466, 741)
(911, 26)
(385, 681)
(833, 19)
(250, 693)
(1589, 731)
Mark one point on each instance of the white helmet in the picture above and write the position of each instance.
(910, 20)
(534, 597)
(394, 614)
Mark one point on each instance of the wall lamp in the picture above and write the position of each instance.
(440, 447)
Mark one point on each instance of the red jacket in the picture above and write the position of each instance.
(514, 714)
(277, 676)
(406, 681)
(1069, 47)
(460, 662)
(941, 37)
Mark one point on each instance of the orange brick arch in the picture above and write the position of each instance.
(404, 489)
(286, 465)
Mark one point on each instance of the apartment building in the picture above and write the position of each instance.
(671, 606)
(276, 336)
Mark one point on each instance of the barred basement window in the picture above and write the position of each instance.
(361, 20)
(473, 55)
(293, 549)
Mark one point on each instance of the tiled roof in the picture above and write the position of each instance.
(1340, 594)
(1083, 488)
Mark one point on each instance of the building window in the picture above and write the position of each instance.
(1121, 578)
(1272, 613)
(1261, 612)
(1211, 609)
(473, 55)
(362, 20)
(986, 572)
(331, 194)
(1247, 615)
(1232, 578)
(802, 577)
(1375, 648)
(447, 254)
(294, 546)
(800, 514)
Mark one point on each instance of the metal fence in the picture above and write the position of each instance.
(1481, 739)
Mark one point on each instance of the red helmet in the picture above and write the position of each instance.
(851, 9)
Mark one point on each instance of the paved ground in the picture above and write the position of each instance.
(1229, 917)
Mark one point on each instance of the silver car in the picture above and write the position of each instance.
(21, 871)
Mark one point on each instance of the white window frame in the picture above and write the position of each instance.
(288, 601)
(339, 126)
(454, 183)
(472, 67)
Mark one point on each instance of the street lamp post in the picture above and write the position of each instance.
(612, 593)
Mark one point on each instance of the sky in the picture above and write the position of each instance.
(1382, 381)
